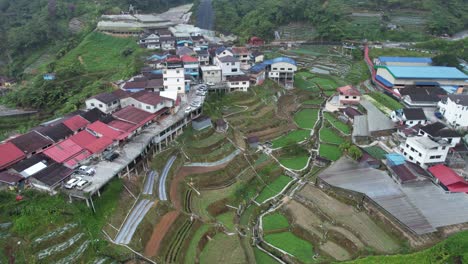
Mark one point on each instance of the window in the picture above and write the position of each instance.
(282, 69)
(109, 104)
(177, 71)
(290, 69)
(346, 97)
(420, 155)
(100, 105)
(177, 80)
(148, 107)
(244, 82)
(234, 70)
(178, 88)
(407, 145)
(275, 69)
(92, 104)
(411, 158)
(165, 72)
(436, 157)
(354, 97)
(444, 147)
(165, 79)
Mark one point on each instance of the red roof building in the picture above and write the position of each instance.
(83, 138)
(256, 41)
(9, 155)
(63, 151)
(76, 123)
(104, 130)
(122, 126)
(189, 59)
(449, 178)
(348, 90)
(99, 145)
(134, 115)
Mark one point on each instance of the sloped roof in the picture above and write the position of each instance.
(33, 160)
(261, 66)
(106, 97)
(240, 50)
(438, 129)
(122, 125)
(9, 155)
(10, 177)
(31, 142)
(461, 99)
(63, 150)
(228, 58)
(133, 115)
(93, 115)
(56, 132)
(414, 114)
(53, 174)
(99, 145)
(403, 173)
(151, 98)
(405, 59)
(76, 123)
(188, 58)
(426, 72)
(105, 130)
(134, 85)
(446, 175)
(348, 90)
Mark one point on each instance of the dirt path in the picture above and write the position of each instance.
(161, 229)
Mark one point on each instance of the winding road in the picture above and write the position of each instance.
(162, 180)
(205, 15)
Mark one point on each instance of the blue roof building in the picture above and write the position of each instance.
(404, 61)
(280, 70)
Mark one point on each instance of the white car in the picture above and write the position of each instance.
(200, 93)
(210, 84)
(188, 110)
(85, 170)
(82, 184)
(72, 182)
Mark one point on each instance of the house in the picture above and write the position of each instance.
(256, 41)
(167, 43)
(184, 42)
(229, 65)
(257, 56)
(242, 54)
(95, 114)
(351, 113)
(238, 83)
(201, 123)
(367, 161)
(150, 41)
(221, 126)
(199, 42)
(31, 143)
(90, 142)
(100, 129)
(422, 96)
(439, 131)
(132, 115)
(203, 57)
(223, 52)
(9, 155)
(174, 79)
(403, 61)
(134, 86)
(257, 76)
(51, 177)
(10, 179)
(106, 102)
(348, 95)
(56, 132)
(76, 123)
(155, 85)
(211, 74)
(253, 141)
(398, 77)
(68, 153)
(28, 167)
(454, 108)
(407, 173)
(183, 51)
(281, 70)
(191, 65)
(448, 179)
(150, 102)
(409, 116)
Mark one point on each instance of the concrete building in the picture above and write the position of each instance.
(409, 116)
(455, 110)
(203, 57)
(398, 77)
(280, 70)
(150, 41)
(106, 102)
(229, 65)
(150, 102)
(238, 83)
(212, 74)
(403, 61)
(191, 66)
(348, 95)
(425, 151)
(174, 80)
(242, 54)
(168, 43)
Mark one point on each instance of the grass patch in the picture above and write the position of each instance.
(223, 249)
(313, 102)
(306, 118)
(337, 123)
(294, 163)
(263, 258)
(359, 72)
(273, 188)
(293, 137)
(191, 252)
(275, 221)
(303, 81)
(330, 152)
(328, 135)
(325, 83)
(374, 53)
(290, 243)
(227, 219)
(386, 101)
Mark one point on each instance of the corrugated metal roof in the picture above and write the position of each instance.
(83, 138)
(105, 130)
(75, 123)
(426, 72)
(63, 150)
(406, 59)
(9, 155)
(261, 66)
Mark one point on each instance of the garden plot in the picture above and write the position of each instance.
(306, 118)
(296, 162)
(293, 137)
(263, 258)
(313, 102)
(329, 135)
(376, 152)
(293, 245)
(273, 188)
(223, 249)
(274, 222)
(331, 152)
(338, 124)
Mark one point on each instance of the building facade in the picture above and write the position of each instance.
(455, 110)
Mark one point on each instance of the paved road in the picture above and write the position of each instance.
(205, 15)
(162, 180)
(148, 188)
(128, 229)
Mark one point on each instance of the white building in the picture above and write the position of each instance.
(242, 54)
(174, 80)
(211, 74)
(282, 71)
(106, 102)
(229, 65)
(348, 95)
(409, 116)
(150, 102)
(150, 42)
(203, 57)
(238, 83)
(455, 110)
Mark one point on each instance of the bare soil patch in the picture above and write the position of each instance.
(152, 247)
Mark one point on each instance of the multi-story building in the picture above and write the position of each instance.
(150, 41)
(242, 54)
(191, 66)
(238, 83)
(229, 65)
(174, 77)
(211, 74)
(409, 116)
(348, 95)
(203, 57)
(455, 110)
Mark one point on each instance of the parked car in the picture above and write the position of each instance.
(72, 182)
(438, 115)
(188, 110)
(195, 104)
(200, 93)
(210, 84)
(86, 170)
(111, 156)
(82, 184)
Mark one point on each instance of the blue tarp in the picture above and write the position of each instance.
(395, 159)
(449, 89)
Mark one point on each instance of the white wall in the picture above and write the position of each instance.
(283, 67)
(213, 76)
(174, 80)
(238, 86)
(455, 114)
(415, 153)
(228, 68)
(106, 108)
(351, 99)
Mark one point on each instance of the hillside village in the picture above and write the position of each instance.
(233, 144)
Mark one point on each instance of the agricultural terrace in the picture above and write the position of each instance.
(338, 124)
(329, 135)
(386, 101)
(331, 152)
(275, 222)
(306, 118)
(293, 245)
(273, 188)
(293, 137)
(263, 258)
(223, 249)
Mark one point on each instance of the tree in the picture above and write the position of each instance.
(355, 152)
(449, 60)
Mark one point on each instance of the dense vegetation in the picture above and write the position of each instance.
(331, 18)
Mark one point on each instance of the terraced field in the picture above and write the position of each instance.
(331, 152)
(273, 188)
(329, 135)
(335, 122)
(291, 138)
(306, 118)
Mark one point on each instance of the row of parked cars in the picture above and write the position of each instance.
(202, 90)
(79, 182)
